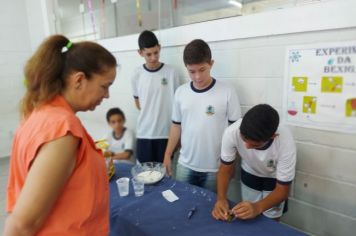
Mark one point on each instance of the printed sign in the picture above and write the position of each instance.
(320, 86)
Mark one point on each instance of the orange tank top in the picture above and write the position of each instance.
(83, 206)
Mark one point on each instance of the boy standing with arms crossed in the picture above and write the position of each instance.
(153, 86)
(201, 111)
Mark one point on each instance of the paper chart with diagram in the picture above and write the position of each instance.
(320, 86)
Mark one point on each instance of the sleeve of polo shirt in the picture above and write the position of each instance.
(129, 140)
(176, 113)
(287, 160)
(228, 147)
(234, 108)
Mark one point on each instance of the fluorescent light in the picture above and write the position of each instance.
(235, 3)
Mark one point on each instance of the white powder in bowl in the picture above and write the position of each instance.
(150, 176)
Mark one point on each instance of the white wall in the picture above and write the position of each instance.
(39, 19)
(23, 26)
(250, 53)
(15, 47)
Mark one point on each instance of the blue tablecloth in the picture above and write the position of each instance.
(151, 214)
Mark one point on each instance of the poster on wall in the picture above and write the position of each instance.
(320, 86)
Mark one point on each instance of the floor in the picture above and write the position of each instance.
(4, 170)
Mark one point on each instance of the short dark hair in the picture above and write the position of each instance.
(147, 39)
(259, 123)
(115, 111)
(196, 52)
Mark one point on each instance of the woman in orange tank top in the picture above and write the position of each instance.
(57, 182)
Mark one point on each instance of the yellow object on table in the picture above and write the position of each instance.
(103, 145)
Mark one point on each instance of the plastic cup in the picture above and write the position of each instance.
(138, 186)
(123, 186)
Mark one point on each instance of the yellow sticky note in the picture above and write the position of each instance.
(309, 104)
(350, 107)
(331, 84)
(300, 84)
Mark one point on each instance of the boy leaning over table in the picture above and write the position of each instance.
(268, 158)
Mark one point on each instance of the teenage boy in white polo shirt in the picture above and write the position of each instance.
(153, 84)
(201, 111)
(268, 158)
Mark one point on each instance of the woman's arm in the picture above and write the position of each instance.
(50, 171)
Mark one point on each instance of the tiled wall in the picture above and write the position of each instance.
(323, 196)
(15, 47)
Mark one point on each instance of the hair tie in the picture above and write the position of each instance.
(25, 82)
(67, 47)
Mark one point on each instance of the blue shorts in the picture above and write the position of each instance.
(148, 150)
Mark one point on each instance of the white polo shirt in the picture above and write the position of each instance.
(155, 91)
(203, 116)
(124, 143)
(278, 161)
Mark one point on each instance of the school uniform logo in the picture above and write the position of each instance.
(164, 81)
(270, 163)
(210, 110)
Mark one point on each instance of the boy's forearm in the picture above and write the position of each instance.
(137, 103)
(173, 139)
(223, 179)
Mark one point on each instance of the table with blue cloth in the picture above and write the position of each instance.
(152, 214)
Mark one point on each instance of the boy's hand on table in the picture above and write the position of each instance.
(246, 210)
(221, 210)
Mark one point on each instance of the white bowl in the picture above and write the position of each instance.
(149, 172)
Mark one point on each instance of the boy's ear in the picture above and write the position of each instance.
(212, 62)
(275, 135)
(140, 52)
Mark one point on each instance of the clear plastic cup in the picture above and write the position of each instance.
(138, 186)
(123, 186)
